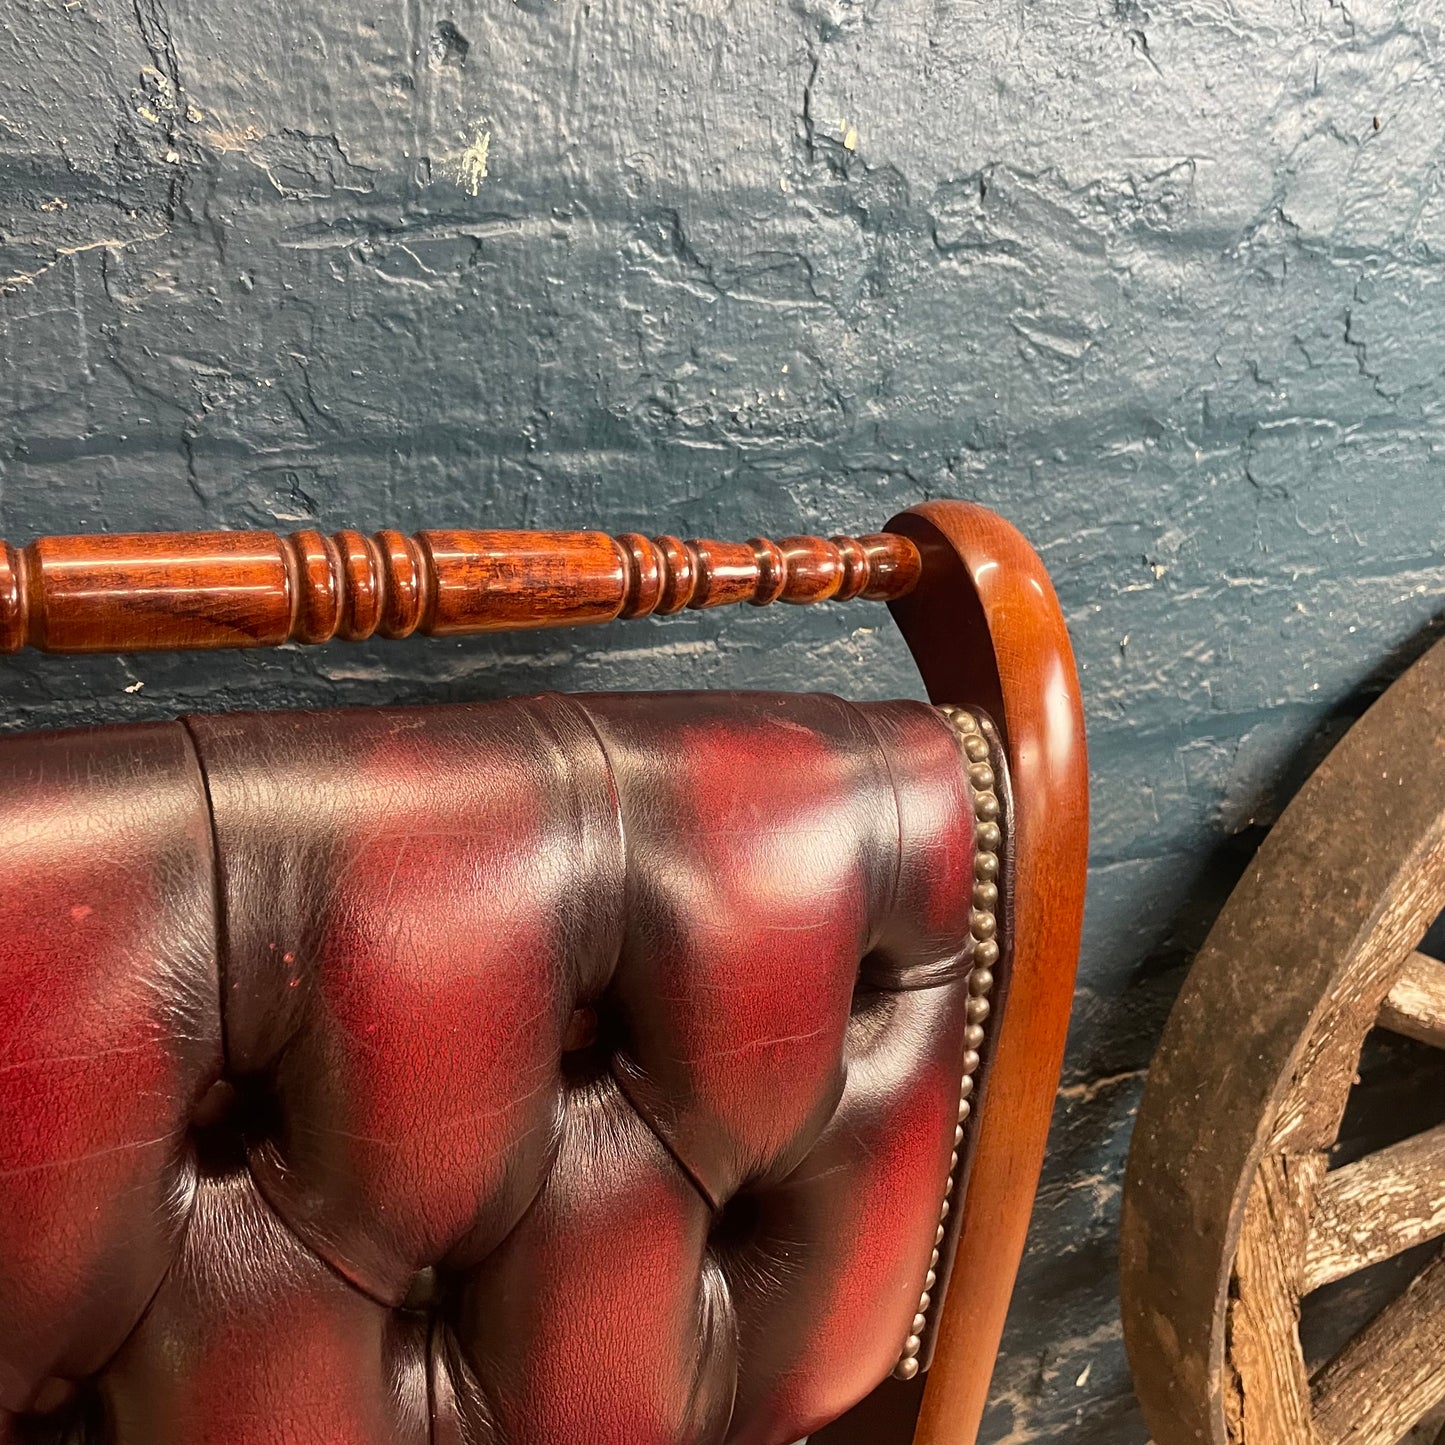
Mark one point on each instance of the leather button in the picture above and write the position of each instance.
(231, 1117)
(581, 1030)
(54, 1395)
(424, 1292)
(217, 1105)
(61, 1410)
(593, 1035)
(216, 1131)
(737, 1223)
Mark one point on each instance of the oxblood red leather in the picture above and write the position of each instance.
(559, 1071)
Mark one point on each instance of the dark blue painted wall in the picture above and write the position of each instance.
(1163, 285)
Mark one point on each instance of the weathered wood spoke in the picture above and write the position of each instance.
(1231, 1215)
(1270, 1400)
(1392, 1374)
(1373, 1210)
(1415, 1006)
(1305, 1226)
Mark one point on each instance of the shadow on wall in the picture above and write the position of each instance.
(1161, 284)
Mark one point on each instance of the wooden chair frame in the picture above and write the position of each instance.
(975, 607)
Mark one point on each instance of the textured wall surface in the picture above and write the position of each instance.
(1163, 285)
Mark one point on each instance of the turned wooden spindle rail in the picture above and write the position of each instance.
(976, 609)
(163, 591)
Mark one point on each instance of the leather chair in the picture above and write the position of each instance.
(610, 1070)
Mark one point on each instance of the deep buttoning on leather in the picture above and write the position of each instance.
(482, 1060)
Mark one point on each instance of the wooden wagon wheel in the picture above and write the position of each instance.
(1232, 1214)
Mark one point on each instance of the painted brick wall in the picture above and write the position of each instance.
(1163, 285)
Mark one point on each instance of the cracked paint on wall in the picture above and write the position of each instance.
(1164, 285)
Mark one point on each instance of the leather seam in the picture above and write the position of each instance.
(618, 1078)
(218, 895)
(572, 705)
(310, 1249)
(95, 1375)
(882, 752)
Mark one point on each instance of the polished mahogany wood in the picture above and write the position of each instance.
(978, 612)
(982, 582)
(167, 591)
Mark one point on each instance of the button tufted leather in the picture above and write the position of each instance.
(559, 1071)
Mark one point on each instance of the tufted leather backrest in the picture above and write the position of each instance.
(558, 1071)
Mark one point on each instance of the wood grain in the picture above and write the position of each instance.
(1415, 1006)
(983, 584)
(167, 591)
(1271, 1397)
(1391, 1374)
(1261, 1049)
(1377, 1208)
(975, 606)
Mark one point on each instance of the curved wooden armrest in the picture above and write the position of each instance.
(981, 579)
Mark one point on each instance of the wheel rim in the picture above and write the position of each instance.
(1231, 1216)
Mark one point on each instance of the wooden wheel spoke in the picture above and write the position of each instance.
(1270, 1399)
(1231, 1217)
(1391, 1375)
(1377, 1208)
(1415, 1006)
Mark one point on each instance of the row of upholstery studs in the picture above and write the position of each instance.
(983, 925)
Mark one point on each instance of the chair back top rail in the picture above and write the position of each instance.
(976, 608)
(163, 591)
